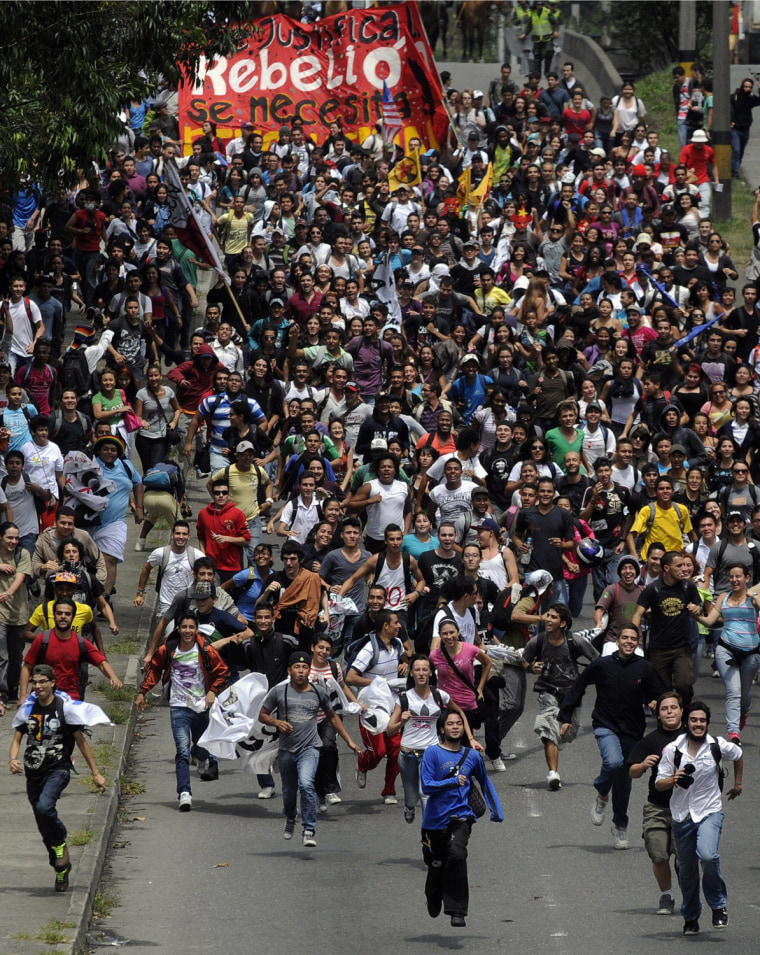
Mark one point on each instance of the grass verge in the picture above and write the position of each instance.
(116, 713)
(124, 694)
(104, 904)
(126, 647)
(81, 837)
(52, 933)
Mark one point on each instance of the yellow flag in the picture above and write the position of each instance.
(407, 172)
(480, 192)
(463, 189)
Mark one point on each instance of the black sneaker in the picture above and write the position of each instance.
(287, 832)
(458, 921)
(62, 878)
(210, 772)
(720, 918)
(691, 927)
(434, 908)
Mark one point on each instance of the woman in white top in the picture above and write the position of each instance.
(629, 111)
(460, 607)
(416, 715)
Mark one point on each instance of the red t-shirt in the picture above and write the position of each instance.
(63, 657)
(91, 241)
(698, 158)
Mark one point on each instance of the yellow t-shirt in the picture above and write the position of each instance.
(244, 489)
(666, 527)
(43, 617)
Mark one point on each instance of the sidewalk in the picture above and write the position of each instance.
(33, 916)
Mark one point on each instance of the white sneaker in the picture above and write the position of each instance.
(308, 838)
(554, 781)
(390, 800)
(332, 799)
(620, 836)
(139, 544)
(598, 810)
(185, 802)
(322, 806)
(266, 793)
(361, 779)
(497, 765)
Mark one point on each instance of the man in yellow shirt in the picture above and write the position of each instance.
(232, 230)
(662, 521)
(65, 585)
(244, 478)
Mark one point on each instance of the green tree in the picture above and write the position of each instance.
(66, 69)
(649, 31)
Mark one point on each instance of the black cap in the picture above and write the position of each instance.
(299, 656)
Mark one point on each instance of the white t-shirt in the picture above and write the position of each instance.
(389, 511)
(453, 503)
(468, 624)
(305, 519)
(386, 666)
(471, 467)
(23, 333)
(42, 464)
(419, 731)
(177, 574)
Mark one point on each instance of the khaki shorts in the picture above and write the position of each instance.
(658, 833)
(547, 725)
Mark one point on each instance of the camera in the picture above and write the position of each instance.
(684, 782)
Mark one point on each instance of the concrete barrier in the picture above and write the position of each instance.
(593, 67)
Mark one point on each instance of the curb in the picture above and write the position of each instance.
(92, 862)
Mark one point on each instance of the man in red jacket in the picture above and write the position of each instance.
(196, 675)
(223, 531)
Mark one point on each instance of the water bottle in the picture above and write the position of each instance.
(525, 558)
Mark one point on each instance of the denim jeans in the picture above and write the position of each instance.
(738, 681)
(698, 842)
(254, 528)
(576, 592)
(561, 595)
(604, 572)
(739, 140)
(187, 729)
(297, 772)
(409, 769)
(614, 774)
(43, 792)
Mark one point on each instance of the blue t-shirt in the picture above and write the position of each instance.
(18, 424)
(412, 545)
(246, 602)
(125, 477)
(473, 396)
(221, 417)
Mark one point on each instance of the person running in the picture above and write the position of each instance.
(297, 703)
(553, 656)
(624, 683)
(52, 723)
(737, 652)
(690, 769)
(658, 831)
(448, 773)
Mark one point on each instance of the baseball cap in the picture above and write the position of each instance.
(633, 308)
(276, 301)
(203, 589)
(65, 577)
(598, 151)
(640, 169)
(732, 515)
(478, 492)
(477, 93)
(540, 579)
(468, 358)
(244, 446)
(299, 656)
(352, 386)
(678, 449)
(489, 524)
(378, 444)
(593, 406)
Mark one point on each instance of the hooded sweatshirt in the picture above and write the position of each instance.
(200, 381)
(696, 454)
(229, 521)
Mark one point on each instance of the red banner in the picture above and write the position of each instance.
(322, 72)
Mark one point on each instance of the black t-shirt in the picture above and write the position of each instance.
(49, 740)
(653, 744)
(127, 340)
(540, 528)
(576, 492)
(657, 356)
(498, 464)
(608, 517)
(750, 321)
(671, 622)
(436, 571)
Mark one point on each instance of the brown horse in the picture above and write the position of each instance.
(473, 19)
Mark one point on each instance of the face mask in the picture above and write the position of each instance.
(89, 206)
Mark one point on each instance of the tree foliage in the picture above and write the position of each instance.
(649, 31)
(67, 68)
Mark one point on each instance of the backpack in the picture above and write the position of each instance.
(56, 423)
(192, 555)
(161, 477)
(28, 372)
(39, 504)
(172, 643)
(352, 650)
(653, 512)
(25, 412)
(724, 491)
(75, 372)
(501, 615)
(406, 563)
(716, 754)
(46, 641)
(754, 551)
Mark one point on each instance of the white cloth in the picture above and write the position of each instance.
(703, 797)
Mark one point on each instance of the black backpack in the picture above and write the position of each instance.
(501, 615)
(75, 372)
(46, 641)
(404, 700)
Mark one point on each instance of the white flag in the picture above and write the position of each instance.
(385, 289)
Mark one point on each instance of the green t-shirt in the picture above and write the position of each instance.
(560, 445)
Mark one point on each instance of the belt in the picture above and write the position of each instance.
(415, 752)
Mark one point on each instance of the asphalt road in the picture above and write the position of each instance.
(544, 881)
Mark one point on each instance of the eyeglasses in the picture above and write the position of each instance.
(40, 682)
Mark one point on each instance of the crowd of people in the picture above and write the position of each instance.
(530, 406)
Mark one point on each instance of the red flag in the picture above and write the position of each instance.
(187, 221)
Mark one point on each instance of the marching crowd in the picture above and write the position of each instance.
(523, 427)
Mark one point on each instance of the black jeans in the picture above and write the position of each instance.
(444, 852)
(326, 779)
(151, 450)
